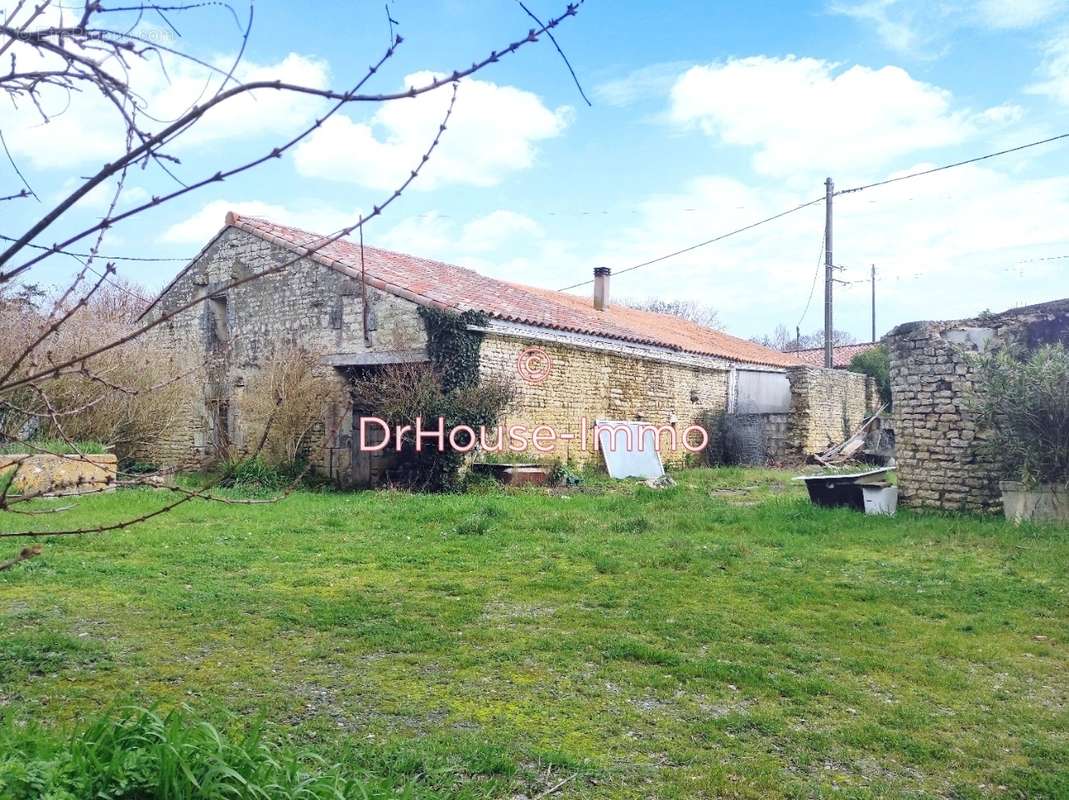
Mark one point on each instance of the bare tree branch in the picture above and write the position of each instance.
(151, 144)
(49, 379)
(6, 384)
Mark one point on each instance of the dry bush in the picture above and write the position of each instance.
(119, 300)
(284, 403)
(126, 398)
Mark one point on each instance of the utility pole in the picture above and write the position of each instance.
(829, 272)
(873, 339)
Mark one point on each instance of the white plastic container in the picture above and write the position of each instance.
(880, 499)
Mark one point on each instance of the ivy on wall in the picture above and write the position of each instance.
(452, 347)
(449, 389)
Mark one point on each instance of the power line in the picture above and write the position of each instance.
(816, 274)
(1014, 266)
(719, 238)
(104, 277)
(97, 255)
(922, 172)
(851, 190)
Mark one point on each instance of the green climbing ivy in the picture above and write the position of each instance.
(452, 347)
(450, 388)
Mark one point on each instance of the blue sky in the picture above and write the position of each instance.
(705, 117)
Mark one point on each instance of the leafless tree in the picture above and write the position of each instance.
(691, 310)
(784, 340)
(54, 52)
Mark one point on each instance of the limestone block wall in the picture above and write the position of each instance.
(827, 406)
(233, 334)
(941, 461)
(596, 384)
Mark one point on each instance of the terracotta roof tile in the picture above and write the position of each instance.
(841, 355)
(447, 286)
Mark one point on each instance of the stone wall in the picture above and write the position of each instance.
(755, 440)
(595, 384)
(941, 461)
(56, 475)
(827, 407)
(235, 331)
(319, 309)
(234, 334)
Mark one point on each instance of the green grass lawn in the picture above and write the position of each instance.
(720, 638)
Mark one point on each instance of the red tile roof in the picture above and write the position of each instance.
(442, 285)
(841, 355)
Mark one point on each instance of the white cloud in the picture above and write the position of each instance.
(895, 30)
(1054, 71)
(944, 246)
(439, 236)
(100, 197)
(1017, 13)
(653, 81)
(265, 112)
(921, 28)
(809, 115)
(498, 229)
(85, 128)
(494, 130)
(201, 226)
(502, 244)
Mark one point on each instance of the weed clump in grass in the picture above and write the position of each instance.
(634, 525)
(607, 565)
(141, 754)
(479, 523)
(257, 476)
(475, 525)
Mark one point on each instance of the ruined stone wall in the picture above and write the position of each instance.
(755, 440)
(306, 305)
(596, 384)
(941, 461)
(827, 406)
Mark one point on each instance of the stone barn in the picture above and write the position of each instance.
(358, 309)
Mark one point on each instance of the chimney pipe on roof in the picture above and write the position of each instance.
(601, 287)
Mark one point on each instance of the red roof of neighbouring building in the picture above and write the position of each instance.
(841, 355)
(441, 285)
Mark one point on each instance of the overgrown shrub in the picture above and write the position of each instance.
(563, 474)
(1023, 405)
(141, 754)
(127, 398)
(286, 398)
(876, 363)
(398, 394)
(449, 388)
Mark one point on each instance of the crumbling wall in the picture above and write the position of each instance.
(827, 407)
(755, 440)
(941, 461)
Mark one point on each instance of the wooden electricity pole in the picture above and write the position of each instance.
(829, 272)
(873, 339)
